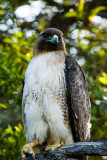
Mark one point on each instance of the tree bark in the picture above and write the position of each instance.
(74, 151)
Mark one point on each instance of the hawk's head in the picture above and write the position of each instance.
(51, 39)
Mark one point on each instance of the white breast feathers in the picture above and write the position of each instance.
(44, 99)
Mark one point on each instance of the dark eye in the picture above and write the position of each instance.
(59, 38)
(45, 35)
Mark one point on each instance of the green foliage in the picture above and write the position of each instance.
(103, 79)
(12, 141)
(99, 110)
(96, 10)
(85, 40)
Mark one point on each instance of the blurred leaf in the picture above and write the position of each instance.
(7, 40)
(8, 131)
(103, 79)
(66, 2)
(19, 34)
(81, 6)
(1, 12)
(3, 105)
(13, 142)
(95, 11)
(17, 128)
(70, 14)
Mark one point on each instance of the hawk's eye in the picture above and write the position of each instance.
(45, 35)
(59, 38)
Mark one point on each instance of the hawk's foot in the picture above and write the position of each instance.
(27, 150)
(57, 144)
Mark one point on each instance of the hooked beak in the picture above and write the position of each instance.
(54, 39)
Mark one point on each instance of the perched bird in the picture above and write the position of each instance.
(55, 102)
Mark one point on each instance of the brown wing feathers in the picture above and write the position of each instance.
(77, 99)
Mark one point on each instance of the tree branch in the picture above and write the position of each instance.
(75, 150)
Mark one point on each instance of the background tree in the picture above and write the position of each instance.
(84, 24)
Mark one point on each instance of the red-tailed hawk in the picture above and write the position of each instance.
(55, 103)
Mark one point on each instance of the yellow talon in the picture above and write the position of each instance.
(28, 148)
(57, 144)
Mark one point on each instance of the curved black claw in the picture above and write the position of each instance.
(63, 143)
(43, 148)
(50, 150)
(29, 156)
